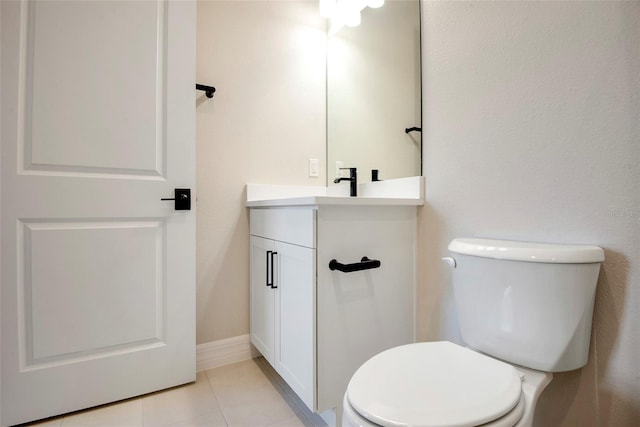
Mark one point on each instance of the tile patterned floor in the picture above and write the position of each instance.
(245, 394)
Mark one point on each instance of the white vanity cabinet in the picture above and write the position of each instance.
(315, 325)
(282, 295)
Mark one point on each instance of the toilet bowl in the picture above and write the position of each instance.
(524, 310)
(441, 384)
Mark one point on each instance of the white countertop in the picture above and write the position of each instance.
(394, 192)
(328, 200)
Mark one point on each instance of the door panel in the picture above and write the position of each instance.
(262, 298)
(98, 274)
(123, 88)
(117, 294)
(364, 312)
(295, 325)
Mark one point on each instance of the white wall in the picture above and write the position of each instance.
(532, 132)
(267, 61)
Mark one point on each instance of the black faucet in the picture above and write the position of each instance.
(353, 179)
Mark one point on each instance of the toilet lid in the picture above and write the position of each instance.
(433, 384)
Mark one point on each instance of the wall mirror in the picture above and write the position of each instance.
(374, 94)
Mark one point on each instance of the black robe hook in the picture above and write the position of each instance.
(208, 90)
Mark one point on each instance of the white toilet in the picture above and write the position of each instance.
(525, 311)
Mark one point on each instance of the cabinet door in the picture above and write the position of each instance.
(295, 325)
(262, 298)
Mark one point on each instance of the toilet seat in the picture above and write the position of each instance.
(435, 384)
(350, 418)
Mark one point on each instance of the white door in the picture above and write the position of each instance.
(98, 274)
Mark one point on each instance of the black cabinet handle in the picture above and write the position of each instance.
(270, 255)
(273, 286)
(364, 264)
(268, 259)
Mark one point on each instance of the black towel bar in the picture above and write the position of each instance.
(364, 264)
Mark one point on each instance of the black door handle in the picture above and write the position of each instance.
(182, 198)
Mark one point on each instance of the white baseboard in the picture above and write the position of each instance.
(223, 352)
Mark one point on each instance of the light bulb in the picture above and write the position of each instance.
(348, 12)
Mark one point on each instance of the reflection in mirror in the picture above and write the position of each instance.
(374, 94)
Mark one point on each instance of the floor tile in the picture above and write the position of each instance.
(192, 403)
(290, 422)
(306, 416)
(246, 396)
(213, 419)
(122, 414)
(238, 374)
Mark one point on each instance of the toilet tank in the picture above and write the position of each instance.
(526, 303)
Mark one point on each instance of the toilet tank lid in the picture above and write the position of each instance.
(528, 252)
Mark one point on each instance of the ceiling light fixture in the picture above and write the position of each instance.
(345, 12)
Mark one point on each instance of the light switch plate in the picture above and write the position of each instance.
(313, 167)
